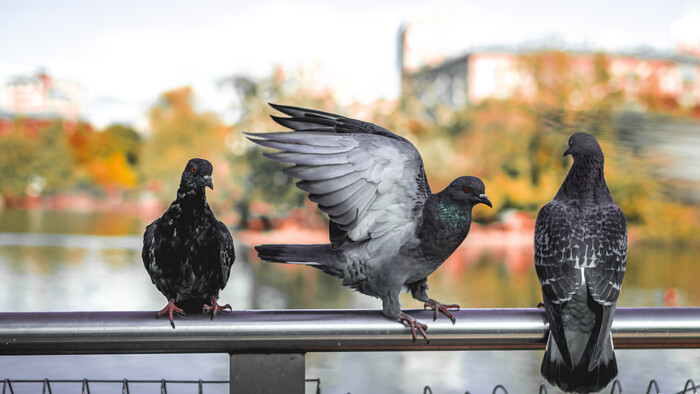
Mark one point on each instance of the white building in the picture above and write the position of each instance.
(41, 94)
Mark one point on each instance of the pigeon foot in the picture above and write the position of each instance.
(169, 309)
(214, 308)
(415, 326)
(438, 306)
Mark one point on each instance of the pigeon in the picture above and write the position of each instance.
(580, 259)
(387, 230)
(187, 252)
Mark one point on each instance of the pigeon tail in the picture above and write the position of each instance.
(580, 380)
(321, 256)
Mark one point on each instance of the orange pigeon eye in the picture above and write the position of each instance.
(192, 169)
(466, 189)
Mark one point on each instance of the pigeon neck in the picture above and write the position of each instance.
(448, 210)
(444, 226)
(585, 181)
(191, 193)
(443, 214)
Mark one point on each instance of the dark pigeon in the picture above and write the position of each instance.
(387, 230)
(580, 259)
(187, 252)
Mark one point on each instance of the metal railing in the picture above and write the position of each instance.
(264, 342)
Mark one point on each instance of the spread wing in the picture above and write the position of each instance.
(556, 256)
(367, 179)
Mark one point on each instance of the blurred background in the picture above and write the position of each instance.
(101, 106)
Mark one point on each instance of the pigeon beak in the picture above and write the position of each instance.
(567, 152)
(207, 179)
(485, 200)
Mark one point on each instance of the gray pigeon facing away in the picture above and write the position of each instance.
(187, 252)
(580, 259)
(387, 230)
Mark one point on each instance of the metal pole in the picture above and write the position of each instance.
(267, 373)
(301, 331)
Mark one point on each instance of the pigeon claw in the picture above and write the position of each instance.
(415, 325)
(438, 306)
(170, 309)
(214, 308)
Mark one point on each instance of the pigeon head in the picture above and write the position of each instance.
(583, 145)
(469, 190)
(197, 174)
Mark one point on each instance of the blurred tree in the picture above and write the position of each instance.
(16, 152)
(261, 179)
(179, 133)
(34, 165)
(54, 162)
(115, 157)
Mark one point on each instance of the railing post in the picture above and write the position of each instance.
(267, 373)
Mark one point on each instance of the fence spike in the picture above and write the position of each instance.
(47, 386)
(500, 386)
(655, 384)
(617, 384)
(86, 387)
(5, 385)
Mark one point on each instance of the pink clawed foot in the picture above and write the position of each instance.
(169, 309)
(415, 326)
(438, 306)
(214, 308)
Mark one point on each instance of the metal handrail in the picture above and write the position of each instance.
(300, 331)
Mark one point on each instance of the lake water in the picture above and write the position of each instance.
(91, 262)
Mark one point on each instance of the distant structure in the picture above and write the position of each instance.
(40, 95)
(39, 99)
(437, 78)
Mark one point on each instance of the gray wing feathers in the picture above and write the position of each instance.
(603, 336)
(338, 196)
(554, 254)
(319, 172)
(311, 142)
(353, 170)
(604, 278)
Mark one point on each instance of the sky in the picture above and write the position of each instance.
(125, 54)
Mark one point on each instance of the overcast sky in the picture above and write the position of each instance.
(124, 54)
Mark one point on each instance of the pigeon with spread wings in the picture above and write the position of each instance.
(387, 230)
(580, 259)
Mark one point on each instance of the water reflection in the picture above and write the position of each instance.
(69, 272)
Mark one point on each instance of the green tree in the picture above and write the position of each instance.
(54, 164)
(17, 152)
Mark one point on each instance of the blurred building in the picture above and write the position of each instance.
(42, 95)
(39, 99)
(435, 78)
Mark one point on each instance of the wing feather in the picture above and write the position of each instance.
(352, 169)
(604, 275)
(559, 282)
